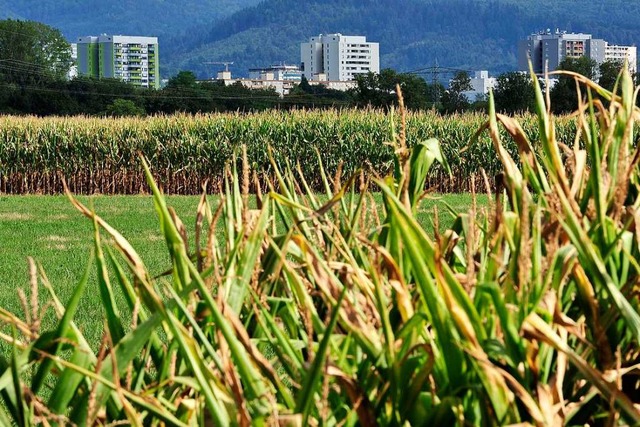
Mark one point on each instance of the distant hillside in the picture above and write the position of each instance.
(413, 34)
(162, 18)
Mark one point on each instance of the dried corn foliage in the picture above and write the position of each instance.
(314, 309)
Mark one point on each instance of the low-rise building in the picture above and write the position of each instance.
(481, 83)
(276, 72)
(284, 87)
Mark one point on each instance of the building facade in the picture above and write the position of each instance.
(284, 86)
(549, 48)
(276, 72)
(481, 83)
(131, 59)
(335, 57)
(622, 53)
(73, 71)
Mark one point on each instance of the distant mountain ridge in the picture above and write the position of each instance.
(164, 18)
(413, 34)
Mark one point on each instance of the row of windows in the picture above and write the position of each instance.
(125, 70)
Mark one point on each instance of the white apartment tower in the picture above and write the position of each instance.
(622, 53)
(335, 57)
(132, 59)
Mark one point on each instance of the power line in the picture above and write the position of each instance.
(293, 99)
(18, 33)
(23, 66)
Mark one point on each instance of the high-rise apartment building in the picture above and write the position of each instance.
(549, 48)
(132, 59)
(335, 57)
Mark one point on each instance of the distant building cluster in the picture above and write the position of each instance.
(281, 78)
(131, 59)
(332, 60)
(549, 48)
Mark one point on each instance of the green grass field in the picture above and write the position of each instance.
(59, 239)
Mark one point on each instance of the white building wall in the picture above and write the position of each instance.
(332, 55)
(339, 57)
(481, 84)
(131, 58)
(311, 56)
(283, 87)
(622, 53)
(73, 71)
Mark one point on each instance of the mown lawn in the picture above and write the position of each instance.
(59, 238)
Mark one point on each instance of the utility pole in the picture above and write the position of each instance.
(436, 84)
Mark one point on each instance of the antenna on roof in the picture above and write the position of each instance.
(225, 63)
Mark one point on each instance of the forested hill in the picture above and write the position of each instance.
(164, 18)
(467, 34)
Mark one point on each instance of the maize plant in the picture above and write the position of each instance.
(100, 155)
(323, 307)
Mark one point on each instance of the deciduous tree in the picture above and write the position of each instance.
(454, 100)
(564, 97)
(32, 53)
(514, 93)
(379, 90)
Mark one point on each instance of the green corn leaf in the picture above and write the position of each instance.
(116, 330)
(312, 379)
(61, 333)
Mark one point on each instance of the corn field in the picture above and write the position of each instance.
(100, 155)
(312, 309)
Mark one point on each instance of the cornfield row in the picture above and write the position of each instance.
(97, 155)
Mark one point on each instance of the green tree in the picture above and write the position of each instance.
(32, 53)
(374, 90)
(124, 107)
(304, 86)
(453, 99)
(183, 79)
(379, 90)
(92, 96)
(608, 73)
(564, 97)
(514, 93)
